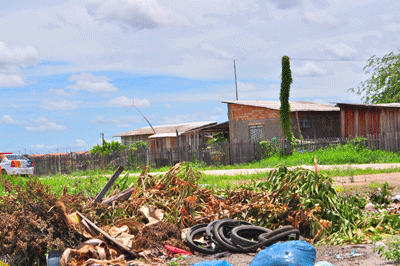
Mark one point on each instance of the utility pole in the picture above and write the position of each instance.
(102, 141)
(234, 67)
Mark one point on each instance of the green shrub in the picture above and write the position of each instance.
(109, 147)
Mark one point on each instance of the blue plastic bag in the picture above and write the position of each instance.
(323, 263)
(290, 253)
(213, 263)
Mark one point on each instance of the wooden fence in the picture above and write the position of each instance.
(211, 154)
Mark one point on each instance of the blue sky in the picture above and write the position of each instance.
(70, 70)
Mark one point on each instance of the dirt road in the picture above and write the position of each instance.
(336, 255)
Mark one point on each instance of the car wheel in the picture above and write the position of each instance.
(3, 172)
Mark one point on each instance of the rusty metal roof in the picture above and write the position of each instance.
(391, 105)
(295, 106)
(171, 129)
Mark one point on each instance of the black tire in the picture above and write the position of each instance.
(282, 229)
(209, 248)
(241, 235)
(209, 228)
(222, 230)
(269, 241)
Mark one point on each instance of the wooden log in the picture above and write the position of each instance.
(110, 182)
(124, 195)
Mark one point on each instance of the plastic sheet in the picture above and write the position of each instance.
(290, 253)
(213, 263)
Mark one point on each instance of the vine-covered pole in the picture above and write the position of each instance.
(284, 110)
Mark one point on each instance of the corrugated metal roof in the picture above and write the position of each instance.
(295, 106)
(392, 105)
(164, 135)
(182, 128)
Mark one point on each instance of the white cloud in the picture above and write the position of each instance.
(210, 115)
(39, 124)
(340, 50)
(11, 60)
(284, 4)
(167, 105)
(8, 120)
(91, 83)
(42, 124)
(38, 146)
(178, 119)
(125, 121)
(217, 53)
(308, 70)
(21, 57)
(15, 106)
(80, 143)
(61, 92)
(247, 87)
(61, 105)
(138, 14)
(392, 27)
(124, 101)
(13, 80)
(321, 18)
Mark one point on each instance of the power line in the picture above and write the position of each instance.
(342, 60)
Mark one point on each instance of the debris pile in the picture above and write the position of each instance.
(141, 221)
(235, 236)
(32, 221)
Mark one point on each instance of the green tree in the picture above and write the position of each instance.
(284, 110)
(108, 147)
(384, 84)
(139, 146)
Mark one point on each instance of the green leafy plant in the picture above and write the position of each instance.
(139, 146)
(220, 137)
(391, 251)
(383, 86)
(380, 195)
(108, 147)
(268, 148)
(284, 110)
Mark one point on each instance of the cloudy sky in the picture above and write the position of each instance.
(70, 70)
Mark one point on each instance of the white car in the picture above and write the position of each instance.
(15, 164)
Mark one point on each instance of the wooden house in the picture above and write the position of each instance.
(369, 119)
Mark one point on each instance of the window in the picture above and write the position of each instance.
(305, 123)
(256, 132)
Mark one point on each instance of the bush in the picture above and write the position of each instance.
(109, 147)
(268, 148)
(139, 146)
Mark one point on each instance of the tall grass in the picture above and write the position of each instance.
(349, 153)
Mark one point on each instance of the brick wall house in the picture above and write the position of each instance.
(260, 120)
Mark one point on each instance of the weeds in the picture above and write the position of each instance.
(391, 251)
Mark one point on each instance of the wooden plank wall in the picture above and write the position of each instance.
(362, 121)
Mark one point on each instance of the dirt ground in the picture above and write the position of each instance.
(337, 255)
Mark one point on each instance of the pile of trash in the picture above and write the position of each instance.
(147, 220)
(235, 236)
